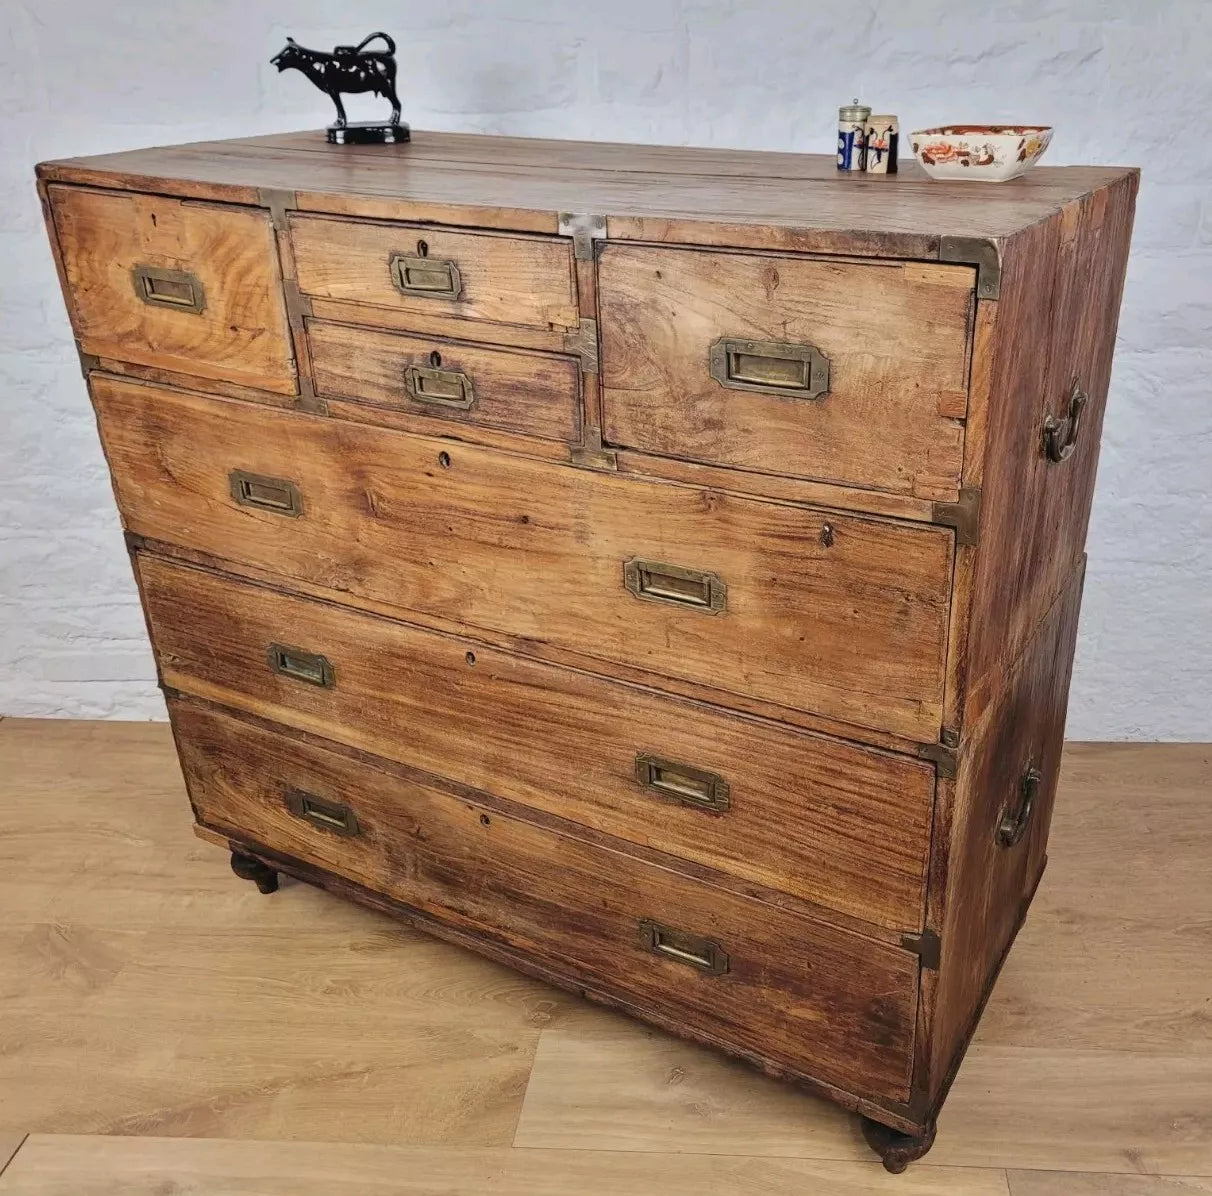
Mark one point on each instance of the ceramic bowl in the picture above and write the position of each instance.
(981, 153)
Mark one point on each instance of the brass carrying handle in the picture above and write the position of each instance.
(1060, 435)
(425, 277)
(683, 783)
(276, 495)
(771, 367)
(332, 816)
(177, 289)
(301, 665)
(653, 581)
(440, 388)
(1013, 823)
(682, 947)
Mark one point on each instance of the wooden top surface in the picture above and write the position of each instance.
(644, 191)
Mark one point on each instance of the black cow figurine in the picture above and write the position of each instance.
(350, 69)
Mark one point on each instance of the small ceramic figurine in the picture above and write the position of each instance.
(351, 69)
(851, 127)
(880, 144)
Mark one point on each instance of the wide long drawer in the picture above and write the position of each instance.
(840, 825)
(821, 1001)
(828, 613)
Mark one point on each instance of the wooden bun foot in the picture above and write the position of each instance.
(248, 867)
(896, 1150)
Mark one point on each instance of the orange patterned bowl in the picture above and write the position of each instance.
(983, 153)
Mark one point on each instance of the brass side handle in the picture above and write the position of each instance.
(301, 665)
(441, 388)
(176, 289)
(770, 367)
(425, 277)
(683, 783)
(654, 581)
(319, 811)
(1013, 823)
(276, 495)
(1060, 435)
(678, 945)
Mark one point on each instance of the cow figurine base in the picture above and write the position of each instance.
(368, 132)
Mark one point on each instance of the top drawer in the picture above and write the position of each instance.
(502, 279)
(188, 287)
(839, 371)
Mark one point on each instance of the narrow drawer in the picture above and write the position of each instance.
(828, 613)
(189, 287)
(535, 394)
(840, 825)
(503, 279)
(838, 371)
(822, 1001)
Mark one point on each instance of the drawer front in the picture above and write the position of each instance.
(535, 394)
(526, 281)
(843, 826)
(188, 287)
(828, 613)
(820, 1000)
(838, 371)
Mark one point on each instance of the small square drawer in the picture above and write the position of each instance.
(839, 371)
(192, 288)
(534, 394)
(496, 278)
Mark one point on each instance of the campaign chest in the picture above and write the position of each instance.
(657, 569)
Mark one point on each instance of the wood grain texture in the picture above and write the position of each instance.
(505, 280)
(895, 335)
(386, 520)
(1069, 1183)
(846, 1011)
(528, 393)
(9, 1145)
(839, 825)
(240, 335)
(76, 1165)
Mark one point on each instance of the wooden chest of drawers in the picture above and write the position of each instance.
(656, 569)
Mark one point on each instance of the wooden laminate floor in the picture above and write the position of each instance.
(166, 1029)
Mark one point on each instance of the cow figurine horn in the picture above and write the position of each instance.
(350, 70)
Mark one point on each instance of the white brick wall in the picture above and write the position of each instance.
(1124, 81)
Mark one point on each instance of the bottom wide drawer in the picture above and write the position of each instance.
(820, 1001)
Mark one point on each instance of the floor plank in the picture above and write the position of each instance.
(51, 1165)
(1069, 1183)
(9, 1145)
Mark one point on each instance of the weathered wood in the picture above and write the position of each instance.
(457, 530)
(527, 393)
(240, 335)
(895, 336)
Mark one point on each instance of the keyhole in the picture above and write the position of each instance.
(422, 249)
(470, 658)
(444, 460)
(435, 359)
(827, 535)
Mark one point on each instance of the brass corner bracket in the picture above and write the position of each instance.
(985, 253)
(944, 758)
(583, 341)
(926, 946)
(963, 515)
(584, 230)
(278, 202)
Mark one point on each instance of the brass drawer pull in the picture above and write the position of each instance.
(656, 582)
(424, 277)
(1013, 824)
(329, 815)
(1060, 435)
(442, 388)
(177, 289)
(266, 494)
(771, 367)
(302, 666)
(690, 786)
(685, 948)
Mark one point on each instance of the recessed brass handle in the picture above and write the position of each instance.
(1013, 823)
(771, 367)
(319, 811)
(276, 495)
(656, 582)
(177, 289)
(301, 665)
(441, 388)
(683, 783)
(685, 948)
(425, 277)
(1060, 435)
